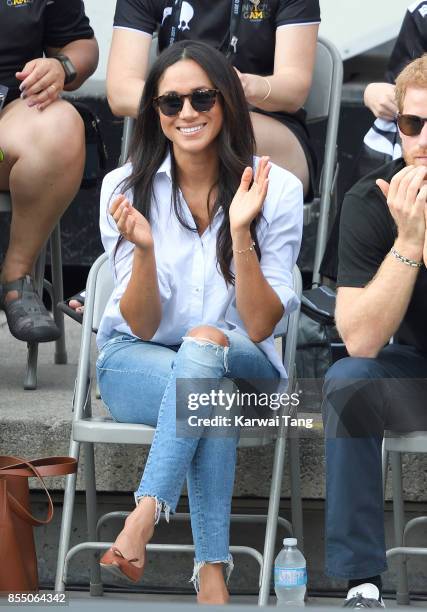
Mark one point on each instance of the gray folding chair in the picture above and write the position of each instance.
(393, 446)
(324, 102)
(55, 289)
(89, 430)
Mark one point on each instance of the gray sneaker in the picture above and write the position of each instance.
(364, 595)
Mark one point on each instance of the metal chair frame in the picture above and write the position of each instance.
(323, 103)
(394, 445)
(55, 290)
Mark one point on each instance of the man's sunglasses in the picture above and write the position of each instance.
(202, 100)
(410, 125)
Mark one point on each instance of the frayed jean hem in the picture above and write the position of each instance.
(195, 578)
(161, 506)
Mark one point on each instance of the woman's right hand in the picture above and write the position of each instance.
(131, 224)
(379, 98)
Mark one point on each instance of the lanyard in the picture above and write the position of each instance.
(236, 12)
(175, 17)
(232, 34)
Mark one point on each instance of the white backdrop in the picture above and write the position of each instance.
(353, 25)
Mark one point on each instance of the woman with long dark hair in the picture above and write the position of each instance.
(202, 238)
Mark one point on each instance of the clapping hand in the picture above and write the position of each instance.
(131, 224)
(248, 201)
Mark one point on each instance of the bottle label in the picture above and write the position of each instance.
(290, 577)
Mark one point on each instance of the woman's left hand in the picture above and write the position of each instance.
(248, 202)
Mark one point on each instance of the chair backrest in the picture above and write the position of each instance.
(325, 90)
(103, 288)
(324, 102)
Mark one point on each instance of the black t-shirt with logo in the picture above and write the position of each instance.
(367, 233)
(210, 22)
(411, 41)
(28, 27)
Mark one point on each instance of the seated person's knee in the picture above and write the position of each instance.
(209, 334)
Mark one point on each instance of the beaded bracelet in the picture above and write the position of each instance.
(406, 260)
(251, 248)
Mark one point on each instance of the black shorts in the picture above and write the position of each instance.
(298, 127)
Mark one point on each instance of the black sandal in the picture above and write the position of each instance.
(72, 312)
(26, 315)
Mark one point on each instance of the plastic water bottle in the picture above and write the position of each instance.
(290, 575)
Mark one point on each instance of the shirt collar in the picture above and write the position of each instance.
(166, 167)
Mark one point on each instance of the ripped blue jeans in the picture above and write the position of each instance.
(137, 384)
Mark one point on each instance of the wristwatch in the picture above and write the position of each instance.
(68, 66)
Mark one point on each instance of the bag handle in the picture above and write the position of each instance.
(45, 466)
(49, 466)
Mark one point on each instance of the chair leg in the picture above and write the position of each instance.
(402, 592)
(39, 271)
(58, 293)
(296, 502)
(271, 526)
(30, 382)
(66, 522)
(96, 588)
(384, 455)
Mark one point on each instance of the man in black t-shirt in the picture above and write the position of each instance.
(382, 295)
(45, 46)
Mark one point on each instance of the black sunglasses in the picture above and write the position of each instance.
(410, 125)
(202, 100)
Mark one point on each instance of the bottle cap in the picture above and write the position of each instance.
(290, 542)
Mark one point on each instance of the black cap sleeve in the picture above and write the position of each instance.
(294, 12)
(143, 15)
(65, 22)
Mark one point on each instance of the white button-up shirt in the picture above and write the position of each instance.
(192, 290)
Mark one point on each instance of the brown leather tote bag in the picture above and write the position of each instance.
(18, 561)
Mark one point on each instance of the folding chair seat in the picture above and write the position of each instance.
(55, 289)
(89, 430)
(394, 445)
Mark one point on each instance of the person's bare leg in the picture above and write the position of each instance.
(43, 167)
(137, 531)
(213, 589)
(281, 145)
